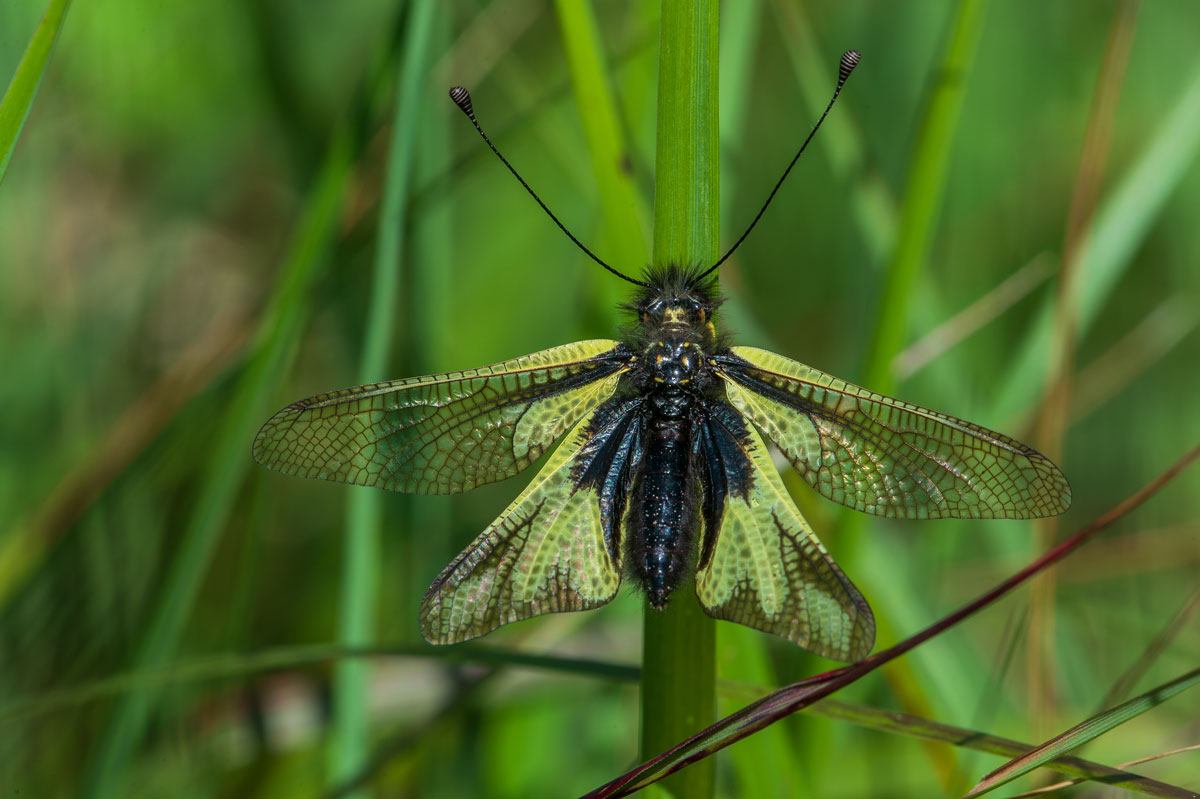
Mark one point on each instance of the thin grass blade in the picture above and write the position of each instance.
(27, 544)
(227, 467)
(923, 193)
(928, 730)
(1122, 687)
(350, 745)
(1068, 783)
(19, 97)
(1147, 343)
(919, 214)
(873, 207)
(230, 665)
(623, 209)
(1122, 222)
(1082, 733)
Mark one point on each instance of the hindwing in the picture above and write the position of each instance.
(446, 433)
(545, 553)
(883, 456)
(763, 567)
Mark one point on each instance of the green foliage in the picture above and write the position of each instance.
(187, 233)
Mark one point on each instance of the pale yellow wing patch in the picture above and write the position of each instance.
(883, 456)
(768, 571)
(544, 554)
(446, 433)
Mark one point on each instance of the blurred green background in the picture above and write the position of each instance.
(187, 231)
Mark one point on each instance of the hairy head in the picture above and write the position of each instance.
(677, 301)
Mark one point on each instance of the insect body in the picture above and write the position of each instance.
(662, 474)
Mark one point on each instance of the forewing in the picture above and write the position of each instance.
(883, 456)
(767, 570)
(546, 553)
(445, 433)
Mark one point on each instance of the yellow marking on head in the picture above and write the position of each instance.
(675, 315)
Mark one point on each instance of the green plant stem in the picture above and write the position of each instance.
(687, 185)
(350, 743)
(678, 672)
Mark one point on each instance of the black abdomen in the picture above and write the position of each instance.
(661, 532)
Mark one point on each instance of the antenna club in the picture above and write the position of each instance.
(845, 66)
(462, 99)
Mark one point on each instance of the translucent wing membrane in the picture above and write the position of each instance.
(446, 433)
(545, 553)
(883, 456)
(767, 570)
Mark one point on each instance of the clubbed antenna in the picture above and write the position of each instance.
(462, 98)
(845, 67)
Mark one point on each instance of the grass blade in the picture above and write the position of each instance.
(621, 206)
(350, 743)
(1051, 423)
(27, 544)
(1116, 369)
(1150, 654)
(923, 194)
(919, 213)
(430, 330)
(18, 99)
(928, 730)
(973, 318)
(1068, 783)
(872, 205)
(229, 665)
(228, 464)
(1082, 733)
(1121, 223)
(1125, 217)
